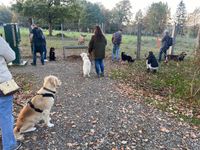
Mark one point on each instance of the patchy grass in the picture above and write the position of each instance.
(168, 89)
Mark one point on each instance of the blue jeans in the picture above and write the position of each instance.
(162, 50)
(115, 52)
(99, 66)
(45, 52)
(6, 122)
(39, 49)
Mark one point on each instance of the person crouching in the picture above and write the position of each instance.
(152, 63)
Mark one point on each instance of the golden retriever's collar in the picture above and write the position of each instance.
(47, 95)
(33, 107)
(49, 90)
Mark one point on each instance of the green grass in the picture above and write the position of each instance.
(129, 42)
(171, 82)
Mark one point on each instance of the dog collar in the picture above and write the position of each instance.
(49, 90)
(47, 95)
(33, 107)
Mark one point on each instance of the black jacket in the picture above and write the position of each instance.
(152, 60)
(98, 47)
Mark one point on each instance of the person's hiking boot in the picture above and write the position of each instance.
(33, 64)
(102, 74)
(19, 144)
(154, 71)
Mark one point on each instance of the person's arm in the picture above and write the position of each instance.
(91, 43)
(6, 51)
(113, 38)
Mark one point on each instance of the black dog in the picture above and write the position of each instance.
(126, 57)
(52, 56)
(179, 57)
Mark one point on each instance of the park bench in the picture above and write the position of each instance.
(73, 47)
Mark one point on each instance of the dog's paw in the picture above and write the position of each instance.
(19, 137)
(50, 125)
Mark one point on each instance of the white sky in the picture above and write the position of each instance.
(139, 4)
(144, 4)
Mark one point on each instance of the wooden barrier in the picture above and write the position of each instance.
(73, 47)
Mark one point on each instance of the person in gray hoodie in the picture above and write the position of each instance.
(6, 119)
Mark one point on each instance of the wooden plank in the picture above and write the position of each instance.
(75, 47)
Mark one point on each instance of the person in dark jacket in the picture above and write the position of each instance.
(116, 40)
(152, 64)
(97, 46)
(39, 43)
(165, 45)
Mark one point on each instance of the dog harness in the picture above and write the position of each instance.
(43, 95)
(33, 107)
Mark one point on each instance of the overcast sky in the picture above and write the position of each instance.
(140, 4)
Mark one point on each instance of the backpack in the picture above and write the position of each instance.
(116, 39)
(39, 35)
(170, 41)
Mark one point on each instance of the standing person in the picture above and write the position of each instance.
(165, 45)
(151, 62)
(6, 119)
(97, 46)
(116, 40)
(38, 41)
(45, 49)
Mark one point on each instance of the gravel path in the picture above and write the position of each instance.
(89, 114)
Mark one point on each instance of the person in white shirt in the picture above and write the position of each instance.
(6, 119)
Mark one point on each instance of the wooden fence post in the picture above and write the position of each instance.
(139, 40)
(198, 42)
(174, 32)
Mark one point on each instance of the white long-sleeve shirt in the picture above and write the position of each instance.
(6, 55)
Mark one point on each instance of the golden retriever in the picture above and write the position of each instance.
(38, 108)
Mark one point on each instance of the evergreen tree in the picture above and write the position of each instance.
(180, 17)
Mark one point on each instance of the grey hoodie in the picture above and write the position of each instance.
(6, 55)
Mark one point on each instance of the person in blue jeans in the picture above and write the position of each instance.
(6, 119)
(96, 48)
(165, 46)
(116, 40)
(39, 43)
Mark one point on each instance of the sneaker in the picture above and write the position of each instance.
(19, 144)
(45, 60)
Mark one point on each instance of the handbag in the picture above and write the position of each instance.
(9, 87)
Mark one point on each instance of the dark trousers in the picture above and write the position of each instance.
(38, 49)
(163, 50)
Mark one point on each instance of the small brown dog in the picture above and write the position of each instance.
(179, 57)
(81, 39)
(38, 108)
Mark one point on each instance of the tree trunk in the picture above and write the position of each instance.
(30, 21)
(50, 29)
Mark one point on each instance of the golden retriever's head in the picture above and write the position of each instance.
(51, 82)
